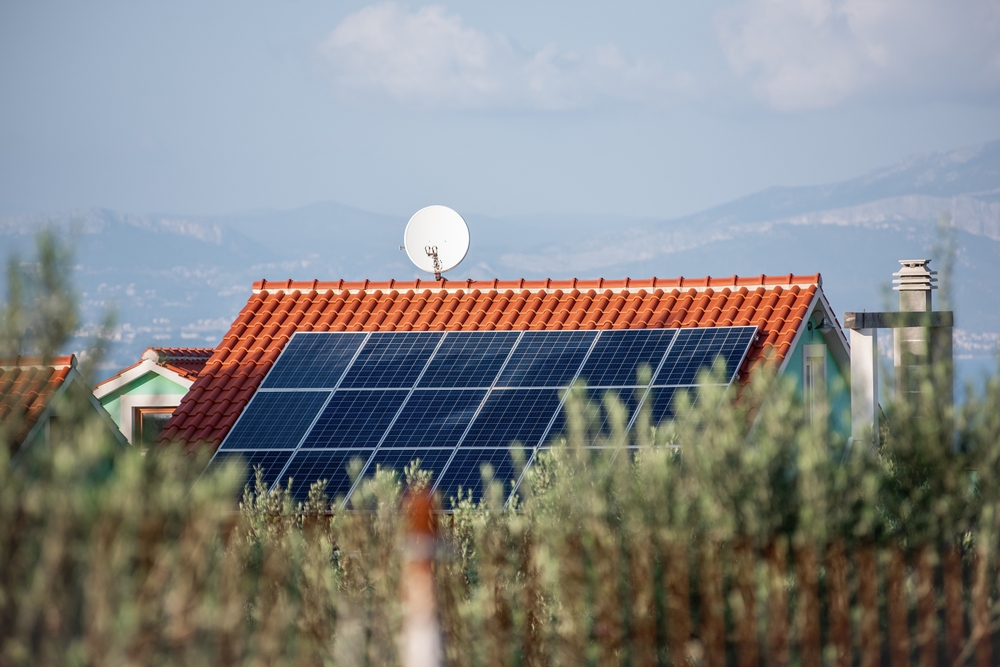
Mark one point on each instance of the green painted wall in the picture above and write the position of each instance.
(147, 384)
(837, 387)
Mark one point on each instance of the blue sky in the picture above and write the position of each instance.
(641, 108)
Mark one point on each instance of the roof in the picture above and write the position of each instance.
(185, 361)
(777, 305)
(181, 363)
(27, 385)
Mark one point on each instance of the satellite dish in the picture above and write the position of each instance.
(436, 239)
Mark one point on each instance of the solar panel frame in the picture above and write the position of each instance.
(492, 413)
(400, 369)
(268, 407)
(464, 470)
(303, 343)
(737, 341)
(529, 363)
(473, 373)
(354, 411)
(323, 464)
(252, 458)
(426, 408)
(434, 459)
(620, 353)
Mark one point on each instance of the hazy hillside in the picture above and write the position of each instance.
(180, 280)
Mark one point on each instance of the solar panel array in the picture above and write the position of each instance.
(455, 400)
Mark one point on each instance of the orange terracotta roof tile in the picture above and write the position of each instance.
(27, 384)
(275, 310)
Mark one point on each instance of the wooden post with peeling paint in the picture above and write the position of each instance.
(420, 643)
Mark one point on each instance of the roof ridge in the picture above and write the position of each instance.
(58, 363)
(545, 284)
(164, 355)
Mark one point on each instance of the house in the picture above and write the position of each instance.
(141, 398)
(306, 420)
(33, 396)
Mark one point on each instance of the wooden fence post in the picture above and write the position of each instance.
(713, 624)
(954, 621)
(533, 641)
(777, 603)
(839, 601)
(867, 570)
(897, 609)
(980, 608)
(573, 635)
(677, 580)
(747, 647)
(807, 607)
(420, 639)
(927, 625)
(642, 584)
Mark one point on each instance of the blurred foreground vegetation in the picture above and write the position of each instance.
(746, 549)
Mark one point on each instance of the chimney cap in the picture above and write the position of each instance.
(915, 276)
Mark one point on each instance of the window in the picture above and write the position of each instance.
(147, 424)
(813, 378)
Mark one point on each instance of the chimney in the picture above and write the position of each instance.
(922, 347)
(911, 345)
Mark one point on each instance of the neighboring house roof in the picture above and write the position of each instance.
(27, 386)
(28, 389)
(777, 305)
(180, 364)
(185, 361)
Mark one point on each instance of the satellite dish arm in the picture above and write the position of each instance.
(432, 252)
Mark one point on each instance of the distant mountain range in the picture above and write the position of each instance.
(180, 280)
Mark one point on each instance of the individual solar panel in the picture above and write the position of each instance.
(619, 354)
(431, 460)
(599, 418)
(469, 359)
(313, 361)
(546, 358)
(308, 467)
(391, 360)
(355, 418)
(662, 401)
(270, 462)
(696, 349)
(275, 420)
(465, 472)
(510, 415)
(434, 418)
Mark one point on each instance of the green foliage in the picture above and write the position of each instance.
(111, 557)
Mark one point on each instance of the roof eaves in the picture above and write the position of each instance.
(74, 376)
(803, 324)
(135, 372)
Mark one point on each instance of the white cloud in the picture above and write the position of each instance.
(802, 54)
(430, 58)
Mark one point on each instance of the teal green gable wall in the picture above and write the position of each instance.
(837, 387)
(147, 384)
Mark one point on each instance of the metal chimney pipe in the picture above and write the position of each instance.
(911, 345)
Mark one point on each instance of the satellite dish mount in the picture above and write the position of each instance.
(436, 239)
(432, 252)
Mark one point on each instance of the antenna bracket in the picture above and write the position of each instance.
(432, 252)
